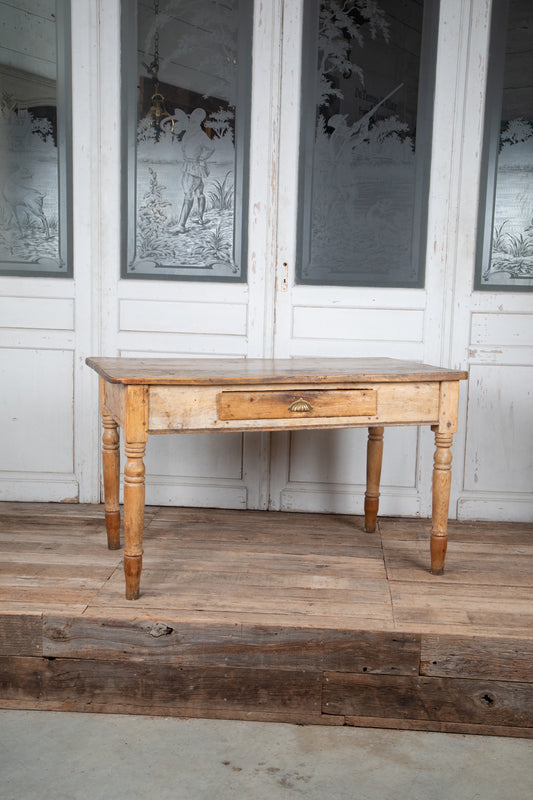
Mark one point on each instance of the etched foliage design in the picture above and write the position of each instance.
(357, 224)
(511, 255)
(505, 220)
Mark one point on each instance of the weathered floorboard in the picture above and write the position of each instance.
(478, 657)
(454, 700)
(76, 683)
(256, 615)
(21, 634)
(232, 645)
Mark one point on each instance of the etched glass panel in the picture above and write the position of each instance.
(505, 244)
(368, 71)
(34, 139)
(187, 132)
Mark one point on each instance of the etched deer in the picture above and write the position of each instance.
(24, 201)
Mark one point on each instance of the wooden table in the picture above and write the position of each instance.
(153, 395)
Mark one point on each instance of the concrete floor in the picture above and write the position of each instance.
(68, 756)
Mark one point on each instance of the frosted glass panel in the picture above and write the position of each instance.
(505, 254)
(34, 138)
(365, 141)
(187, 138)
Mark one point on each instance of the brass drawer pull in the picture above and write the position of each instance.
(300, 405)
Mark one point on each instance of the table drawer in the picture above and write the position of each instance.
(297, 404)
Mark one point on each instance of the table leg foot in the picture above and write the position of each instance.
(438, 547)
(371, 513)
(112, 524)
(374, 458)
(132, 572)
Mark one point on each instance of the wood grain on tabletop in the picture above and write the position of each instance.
(260, 371)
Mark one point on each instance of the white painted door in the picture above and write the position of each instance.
(45, 322)
(157, 318)
(490, 331)
(49, 327)
(325, 471)
(446, 322)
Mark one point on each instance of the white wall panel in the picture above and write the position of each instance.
(358, 323)
(499, 451)
(339, 457)
(36, 312)
(26, 338)
(36, 408)
(199, 493)
(176, 317)
(180, 345)
(195, 469)
(503, 330)
(195, 455)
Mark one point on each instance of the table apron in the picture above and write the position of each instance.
(203, 408)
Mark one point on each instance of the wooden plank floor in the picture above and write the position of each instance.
(257, 615)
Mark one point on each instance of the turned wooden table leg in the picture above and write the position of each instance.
(134, 492)
(374, 457)
(111, 470)
(442, 478)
